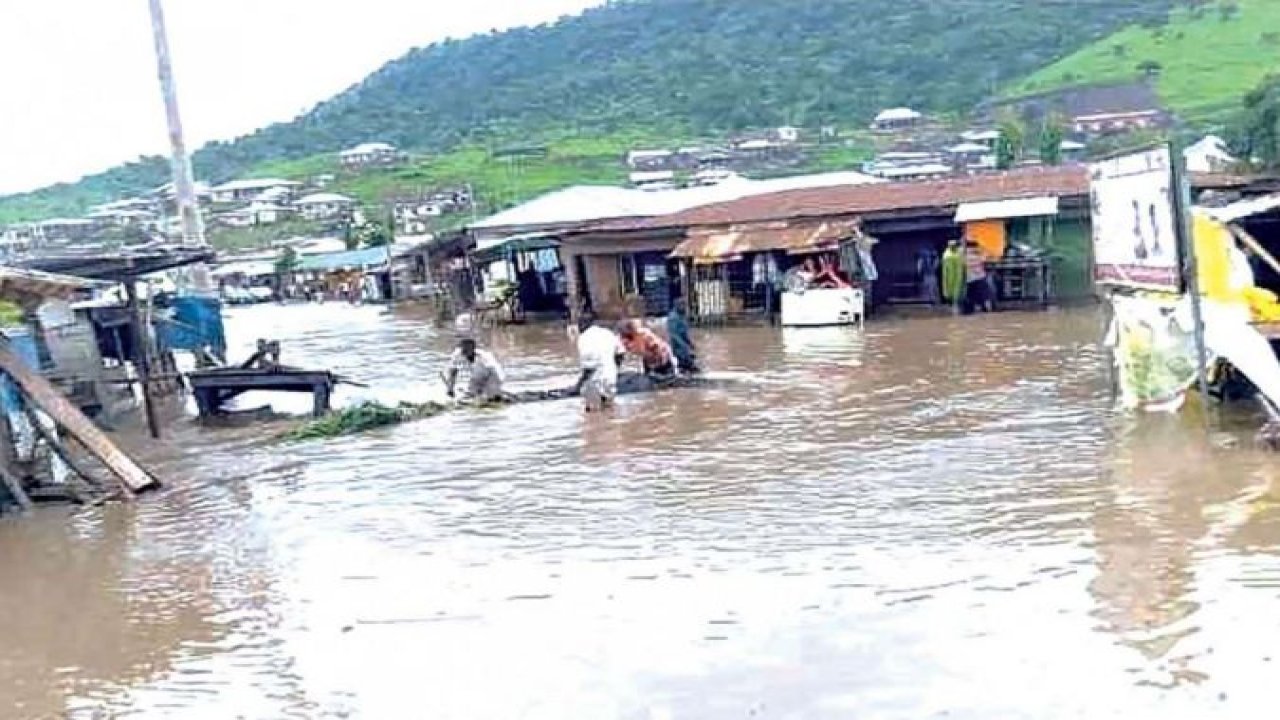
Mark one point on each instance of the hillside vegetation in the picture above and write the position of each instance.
(665, 67)
(1207, 56)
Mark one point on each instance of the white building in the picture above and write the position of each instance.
(650, 159)
(1209, 154)
(238, 191)
(898, 118)
(324, 206)
(787, 134)
(371, 154)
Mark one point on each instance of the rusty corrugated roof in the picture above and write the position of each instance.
(714, 244)
(848, 200)
(861, 199)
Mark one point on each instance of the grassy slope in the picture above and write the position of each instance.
(1210, 57)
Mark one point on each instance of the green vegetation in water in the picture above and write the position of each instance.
(1203, 60)
(363, 417)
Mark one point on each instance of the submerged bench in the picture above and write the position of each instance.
(214, 387)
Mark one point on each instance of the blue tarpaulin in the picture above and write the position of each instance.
(23, 344)
(196, 324)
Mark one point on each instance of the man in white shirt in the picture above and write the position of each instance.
(598, 352)
(486, 374)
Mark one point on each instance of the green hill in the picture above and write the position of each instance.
(662, 67)
(1207, 57)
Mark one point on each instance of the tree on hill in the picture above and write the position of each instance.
(1256, 132)
(1051, 137)
(1011, 143)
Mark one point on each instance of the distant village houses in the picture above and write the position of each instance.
(242, 191)
(899, 118)
(324, 206)
(370, 155)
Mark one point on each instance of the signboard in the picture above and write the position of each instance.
(1135, 229)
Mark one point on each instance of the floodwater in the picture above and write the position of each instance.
(937, 518)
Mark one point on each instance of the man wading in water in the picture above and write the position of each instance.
(486, 374)
(654, 353)
(598, 353)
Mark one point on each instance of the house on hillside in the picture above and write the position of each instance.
(899, 118)
(243, 191)
(1073, 151)
(370, 155)
(64, 230)
(324, 206)
(787, 135)
(651, 160)
(1094, 110)
(909, 165)
(126, 218)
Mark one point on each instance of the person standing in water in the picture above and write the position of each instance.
(599, 352)
(681, 341)
(978, 295)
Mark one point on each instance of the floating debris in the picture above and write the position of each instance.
(363, 417)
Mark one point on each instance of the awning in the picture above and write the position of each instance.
(23, 286)
(350, 260)
(1002, 209)
(1246, 208)
(796, 238)
(248, 268)
(508, 246)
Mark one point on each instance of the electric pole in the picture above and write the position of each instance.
(183, 179)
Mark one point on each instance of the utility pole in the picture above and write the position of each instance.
(183, 178)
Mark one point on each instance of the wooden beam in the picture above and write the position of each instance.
(132, 477)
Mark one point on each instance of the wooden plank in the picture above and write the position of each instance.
(132, 477)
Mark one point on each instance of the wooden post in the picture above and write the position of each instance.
(45, 396)
(141, 355)
(10, 478)
(1190, 267)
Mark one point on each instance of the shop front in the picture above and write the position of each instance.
(741, 272)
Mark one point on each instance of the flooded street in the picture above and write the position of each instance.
(937, 518)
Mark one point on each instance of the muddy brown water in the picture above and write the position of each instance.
(937, 518)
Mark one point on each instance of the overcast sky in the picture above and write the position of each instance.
(78, 88)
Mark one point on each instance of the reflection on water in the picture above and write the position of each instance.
(935, 517)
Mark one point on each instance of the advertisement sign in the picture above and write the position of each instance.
(1135, 232)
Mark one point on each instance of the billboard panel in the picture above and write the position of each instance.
(1135, 232)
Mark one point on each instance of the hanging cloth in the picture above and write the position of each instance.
(953, 274)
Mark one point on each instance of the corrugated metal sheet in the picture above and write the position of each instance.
(725, 244)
